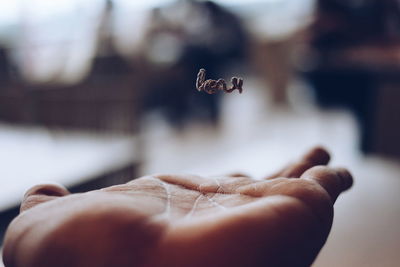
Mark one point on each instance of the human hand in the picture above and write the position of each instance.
(182, 220)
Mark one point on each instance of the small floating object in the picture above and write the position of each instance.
(212, 86)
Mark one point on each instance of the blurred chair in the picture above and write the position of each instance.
(356, 48)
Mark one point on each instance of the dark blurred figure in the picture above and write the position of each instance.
(4, 67)
(181, 39)
(11, 89)
(108, 64)
(354, 43)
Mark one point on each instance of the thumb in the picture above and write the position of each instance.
(42, 193)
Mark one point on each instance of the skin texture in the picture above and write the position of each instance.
(182, 220)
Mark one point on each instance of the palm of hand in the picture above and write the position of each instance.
(219, 221)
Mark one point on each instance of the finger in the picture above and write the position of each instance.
(333, 180)
(42, 193)
(48, 190)
(316, 156)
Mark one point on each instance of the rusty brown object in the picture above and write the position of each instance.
(212, 86)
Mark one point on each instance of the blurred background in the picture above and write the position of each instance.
(95, 93)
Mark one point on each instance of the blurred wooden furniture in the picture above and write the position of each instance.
(382, 62)
(110, 104)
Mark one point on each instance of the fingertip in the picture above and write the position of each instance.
(314, 157)
(346, 178)
(50, 189)
(333, 180)
(318, 155)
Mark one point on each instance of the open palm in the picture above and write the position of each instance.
(182, 220)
